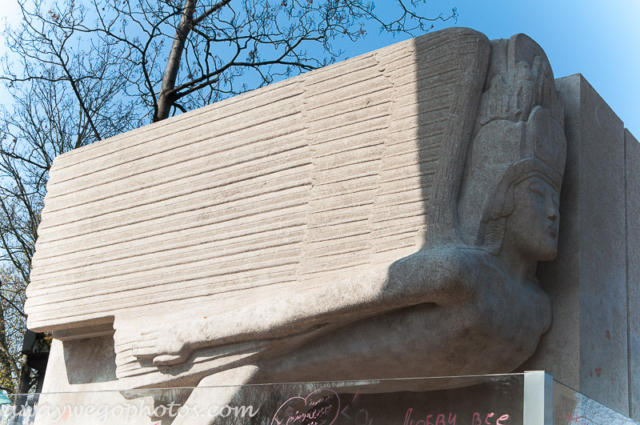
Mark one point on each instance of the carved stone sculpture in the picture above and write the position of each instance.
(382, 217)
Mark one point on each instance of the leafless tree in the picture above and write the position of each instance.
(80, 71)
(184, 54)
(44, 120)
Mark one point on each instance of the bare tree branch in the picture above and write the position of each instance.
(84, 70)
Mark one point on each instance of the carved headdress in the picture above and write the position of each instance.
(519, 133)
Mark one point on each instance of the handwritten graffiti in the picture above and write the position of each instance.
(321, 407)
(489, 419)
(450, 418)
(438, 419)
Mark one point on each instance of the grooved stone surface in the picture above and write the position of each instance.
(382, 217)
(632, 166)
(277, 189)
(586, 347)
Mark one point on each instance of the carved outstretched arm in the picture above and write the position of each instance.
(429, 276)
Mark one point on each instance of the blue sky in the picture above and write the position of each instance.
(598, 38)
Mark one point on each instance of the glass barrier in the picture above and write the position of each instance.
(478, 400)
(572, 408)
(513, 399)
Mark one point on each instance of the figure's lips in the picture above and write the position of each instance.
(553, 232)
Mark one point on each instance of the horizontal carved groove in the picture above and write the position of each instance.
(263, 225)
(219, 249)
(293, 196)
(315, 178)
(360, 69)
(210, 198)
(150, 168)
(216, 272)
(282, 91)
(172, 189)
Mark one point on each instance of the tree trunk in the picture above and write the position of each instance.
(165, 100)
(21, 400)
(24, 377)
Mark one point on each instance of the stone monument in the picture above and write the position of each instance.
(379, 218)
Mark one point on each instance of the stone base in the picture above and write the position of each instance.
(593, 283)
(80, 376)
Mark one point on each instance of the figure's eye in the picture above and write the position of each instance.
(537, 191)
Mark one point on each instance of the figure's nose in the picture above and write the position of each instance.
(552, 211)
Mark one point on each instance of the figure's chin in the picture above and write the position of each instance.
(548, 254)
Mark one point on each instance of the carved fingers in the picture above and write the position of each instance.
(149, 344)
(170, 359)
(163, 346)
(166, 348)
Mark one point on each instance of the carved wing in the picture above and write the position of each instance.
(272, 191)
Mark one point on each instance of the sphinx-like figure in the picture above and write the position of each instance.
(458, 302)
(469, 307)
(409, 217)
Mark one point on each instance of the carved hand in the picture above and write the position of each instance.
(165, 345)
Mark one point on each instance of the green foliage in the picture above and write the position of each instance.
(12, 327)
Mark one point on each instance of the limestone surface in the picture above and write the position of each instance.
(593, 282)
(382, 217)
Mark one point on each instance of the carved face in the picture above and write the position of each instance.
(533, 224)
